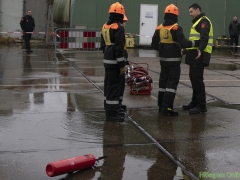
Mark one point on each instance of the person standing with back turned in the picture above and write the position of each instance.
(198, 58)
(168, 40)
(112, 44)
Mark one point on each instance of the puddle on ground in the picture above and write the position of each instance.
(216, 66)
(223, 105)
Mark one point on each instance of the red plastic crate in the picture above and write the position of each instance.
(143, 89)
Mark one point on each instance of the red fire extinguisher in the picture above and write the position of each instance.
(72, 164)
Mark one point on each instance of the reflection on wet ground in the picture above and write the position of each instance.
(218, 66)
(50, 111)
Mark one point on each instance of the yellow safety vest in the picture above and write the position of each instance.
(194, 35)
(165, 34)
(106, 33)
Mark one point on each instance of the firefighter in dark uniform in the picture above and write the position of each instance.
(199, 57)
(168, 40)
(28, 25)
(112, 44)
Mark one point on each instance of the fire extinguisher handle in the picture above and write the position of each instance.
(103, 157)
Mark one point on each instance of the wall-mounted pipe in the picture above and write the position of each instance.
(24, 7)
(69, 13)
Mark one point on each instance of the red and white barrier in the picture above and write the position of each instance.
(139, 35)
(80, 39)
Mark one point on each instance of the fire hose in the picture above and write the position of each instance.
(138, 74)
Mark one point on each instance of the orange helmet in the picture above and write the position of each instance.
(125, 18)
(117, 8)
(171, 9)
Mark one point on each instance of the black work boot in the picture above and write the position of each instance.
(168, 112)
(188, 107)
(197, 110)
(114, 116)
(124, 107)
(121, 112)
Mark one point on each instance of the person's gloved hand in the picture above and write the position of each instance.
(127, 62)
(123, 70)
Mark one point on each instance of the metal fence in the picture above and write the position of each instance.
(76, 40)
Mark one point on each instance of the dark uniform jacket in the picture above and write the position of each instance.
(234, 28)
(114, 52)
(203, 28)
(27, 23)
(171, 50)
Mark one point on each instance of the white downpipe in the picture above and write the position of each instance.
(72, 12)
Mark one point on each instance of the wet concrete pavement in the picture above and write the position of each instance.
(50, 111)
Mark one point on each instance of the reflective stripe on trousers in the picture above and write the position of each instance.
(161, 90)
(112, 102)
(112, 91)
(170, 59)
(167, 90)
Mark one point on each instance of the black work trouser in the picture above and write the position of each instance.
(168, 82)
(233, 39)
(112, 89)
(198, 86)
(123, 80)
(27, 38)
(122, 88)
